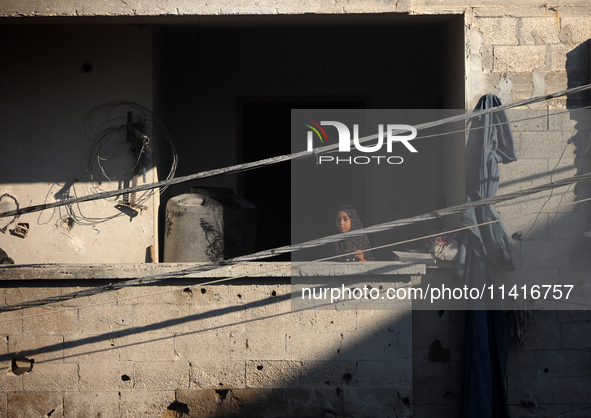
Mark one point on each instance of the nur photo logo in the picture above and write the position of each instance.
(392, 133)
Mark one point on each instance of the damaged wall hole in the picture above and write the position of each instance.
(448, 394)
(20, 365)
(529, 403)
(187, 290)
(86, 67)
(438, 354)
(259, 367)
(125, 378)
(203, 291)
(347, 377)
(178, 407)
(222, 393)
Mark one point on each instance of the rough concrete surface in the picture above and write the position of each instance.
(182, 349)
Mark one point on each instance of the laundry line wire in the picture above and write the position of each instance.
(282, 158)
(296, 247)
(267, 271)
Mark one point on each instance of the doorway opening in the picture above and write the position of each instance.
(270, 188)
(225, 85)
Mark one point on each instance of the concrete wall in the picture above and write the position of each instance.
(518, 53)
(190, 9)
(540, 52)
(514, 49)
(236, 349)
(52, 78)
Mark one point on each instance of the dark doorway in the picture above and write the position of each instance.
(265, 132)
(226, 88)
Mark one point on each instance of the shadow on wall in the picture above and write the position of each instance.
(577, 68)
(358, 371)
(547, 373)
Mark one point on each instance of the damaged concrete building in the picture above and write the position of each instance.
(210, 85)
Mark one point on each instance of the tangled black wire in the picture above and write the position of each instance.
(113, 159)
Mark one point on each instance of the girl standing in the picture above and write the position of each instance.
(347, 220)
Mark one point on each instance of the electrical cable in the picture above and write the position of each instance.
(101, 130)
(467, 130)
(274, 160)
(390, 225)
(217, 281)
(309, 244)
(114, 131)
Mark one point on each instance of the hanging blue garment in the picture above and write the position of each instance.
(485, 250)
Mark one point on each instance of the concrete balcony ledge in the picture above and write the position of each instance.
(187, 270)
(374, 268)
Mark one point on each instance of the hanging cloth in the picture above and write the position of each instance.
(484, 251)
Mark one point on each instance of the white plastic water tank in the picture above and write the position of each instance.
(208, 224)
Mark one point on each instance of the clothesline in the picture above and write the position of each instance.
(282, 158)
